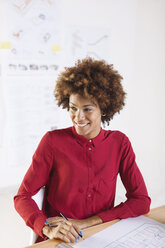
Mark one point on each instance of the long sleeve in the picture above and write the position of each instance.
(36, 177)
(138, 201)
(80, 178)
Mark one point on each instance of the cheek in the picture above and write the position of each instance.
(96, 117)
(71, 115)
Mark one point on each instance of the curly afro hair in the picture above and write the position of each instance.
(96, 80)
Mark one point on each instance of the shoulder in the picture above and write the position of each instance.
(55, 138)
(58, 135)
(115, 135)
(117, 139)
(60, 132)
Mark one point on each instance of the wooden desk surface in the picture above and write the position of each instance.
(157, 214)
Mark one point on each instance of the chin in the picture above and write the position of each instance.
(81, 132)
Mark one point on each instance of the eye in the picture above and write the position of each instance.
(72, 108)
(87, 109)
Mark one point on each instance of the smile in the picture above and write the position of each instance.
(82, 125)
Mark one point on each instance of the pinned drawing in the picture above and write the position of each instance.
(21, 5)
(46, 37)
(17, 34)
(33, 29)
(82, 42)
(33, 69)
(77, 43)
(98, 41)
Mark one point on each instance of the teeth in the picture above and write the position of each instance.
(82, 125)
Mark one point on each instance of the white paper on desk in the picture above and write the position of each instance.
(139, 232)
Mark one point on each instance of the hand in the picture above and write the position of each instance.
(57, 227)
(84, 223)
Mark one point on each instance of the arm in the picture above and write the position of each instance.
(138, 201)
(36, 177)
(68, 231)
(84, 223)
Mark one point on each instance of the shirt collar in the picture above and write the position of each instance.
(83, 141)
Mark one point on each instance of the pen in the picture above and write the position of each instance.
(63, 216)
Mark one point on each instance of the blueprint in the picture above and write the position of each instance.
(139, 232)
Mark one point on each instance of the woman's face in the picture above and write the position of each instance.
(85, 115)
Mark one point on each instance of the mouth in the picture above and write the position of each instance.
(81, 125)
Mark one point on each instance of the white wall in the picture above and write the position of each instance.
(138, 52)
(148, 100)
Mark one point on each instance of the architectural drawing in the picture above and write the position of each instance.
(145, 236)
(139, 232)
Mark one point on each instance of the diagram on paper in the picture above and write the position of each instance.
(82, 42)
(146, 236)
(139, 232)
(33, 30)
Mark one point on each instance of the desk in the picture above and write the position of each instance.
(157, 214)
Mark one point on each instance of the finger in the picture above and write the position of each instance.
(66, 225)
(68, 234)
(54, 224)
(50, 232)
(71, 237)
(62, 237)
(63, 231)
(58, 235)
(54, 219)
(68, 230)
(76, 227)
(72, 228)
(74, 232)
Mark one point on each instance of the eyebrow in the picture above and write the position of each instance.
(86, 105)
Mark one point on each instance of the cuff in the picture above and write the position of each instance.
(39, 224)
(118, 212)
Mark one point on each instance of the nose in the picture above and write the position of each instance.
(80, 115)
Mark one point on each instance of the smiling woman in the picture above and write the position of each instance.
(85, 115)
(79, 165)
(95, 80)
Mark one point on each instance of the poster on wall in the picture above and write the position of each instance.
(33, 36)
(31, 112)
(36, 47)
(32, 57)
(87, 41)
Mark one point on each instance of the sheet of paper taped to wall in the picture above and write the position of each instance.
(139, 232)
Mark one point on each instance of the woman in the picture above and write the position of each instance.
(79, 165)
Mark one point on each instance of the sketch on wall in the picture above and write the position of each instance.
(32, 57)
(36, 47)
(85, 41)
(31, 112)
(34, 36)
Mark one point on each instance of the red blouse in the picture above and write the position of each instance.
(80, 178)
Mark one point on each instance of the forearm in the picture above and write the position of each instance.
(29, 211)
(92, 221)
(88, 222)
(130, 208)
